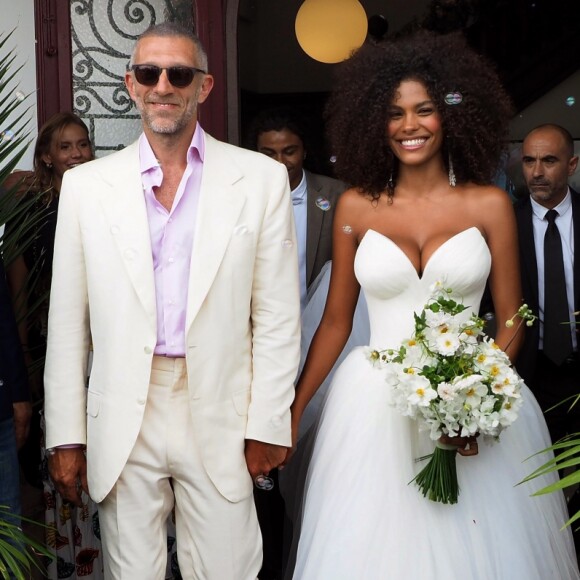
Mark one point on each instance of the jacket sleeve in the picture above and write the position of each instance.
(275, 319)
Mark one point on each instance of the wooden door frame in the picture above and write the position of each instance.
(217, 29)
(53, 58)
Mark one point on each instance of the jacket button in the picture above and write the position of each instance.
(148, 350)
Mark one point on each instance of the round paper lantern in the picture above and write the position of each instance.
(329, 30)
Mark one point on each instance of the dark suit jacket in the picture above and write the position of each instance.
(319, 221)
(13, 377)
(529, 272)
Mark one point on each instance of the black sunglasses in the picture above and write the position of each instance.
(178, 76)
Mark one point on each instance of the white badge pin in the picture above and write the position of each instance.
(323, 203)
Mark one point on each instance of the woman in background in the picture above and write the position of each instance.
(63, 143)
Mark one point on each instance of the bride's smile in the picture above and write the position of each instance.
(414, 129)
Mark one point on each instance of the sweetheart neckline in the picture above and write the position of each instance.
(421, 275)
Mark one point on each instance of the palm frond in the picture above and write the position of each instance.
(19, 554)
(568, 457)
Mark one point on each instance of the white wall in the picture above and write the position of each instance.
(19, 15)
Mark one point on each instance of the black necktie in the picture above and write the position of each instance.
(557, 337)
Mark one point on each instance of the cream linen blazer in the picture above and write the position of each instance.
(242, 318)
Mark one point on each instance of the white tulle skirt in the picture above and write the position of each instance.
(361, 518)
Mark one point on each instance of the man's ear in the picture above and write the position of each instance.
(130, 84)
(572, 165)
(206, 87)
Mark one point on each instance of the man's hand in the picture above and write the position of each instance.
(68, 470)
(262, 457)
(22, 415)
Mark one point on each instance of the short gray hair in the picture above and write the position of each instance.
(174, 30)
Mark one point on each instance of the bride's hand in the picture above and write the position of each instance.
(466, 446)
(291, 450)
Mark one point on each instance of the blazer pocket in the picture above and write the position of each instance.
(241, 400)
(93, 403)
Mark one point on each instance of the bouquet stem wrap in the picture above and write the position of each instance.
(438, 479)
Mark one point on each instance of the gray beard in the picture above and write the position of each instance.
(166, 126)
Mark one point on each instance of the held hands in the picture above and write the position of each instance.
(262, 457)
(466, 446)
(68, 470)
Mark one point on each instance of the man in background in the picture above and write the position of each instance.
(280, 134)
(549, 360)
(549, 231)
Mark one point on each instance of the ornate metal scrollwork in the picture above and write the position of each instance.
(103, 34)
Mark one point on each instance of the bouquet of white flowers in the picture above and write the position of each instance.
(454, 380)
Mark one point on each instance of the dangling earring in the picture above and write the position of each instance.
(452, 178)
(390, 189)
(48, 164)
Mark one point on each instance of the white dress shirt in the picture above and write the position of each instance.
(300, 218)
(566, 228)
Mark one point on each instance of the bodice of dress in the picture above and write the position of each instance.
(394, 290)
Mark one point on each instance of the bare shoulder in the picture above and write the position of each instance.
(488, 202)
(487, 196)
(352, 212)
(353, 200)
(492, 208)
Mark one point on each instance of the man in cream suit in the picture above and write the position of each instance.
(177, 258)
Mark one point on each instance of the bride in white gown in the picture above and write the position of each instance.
(426, 117)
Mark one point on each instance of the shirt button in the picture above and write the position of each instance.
(148, 350)
(171, 260)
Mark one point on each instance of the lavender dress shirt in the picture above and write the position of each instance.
(172, 235)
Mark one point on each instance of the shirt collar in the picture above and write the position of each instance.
(299, 194)
(540, 211)
(147, 158)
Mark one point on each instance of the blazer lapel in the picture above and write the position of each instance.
(126, 213)
(314, 219)
(528, 252)
(576, 223)
(220, 204)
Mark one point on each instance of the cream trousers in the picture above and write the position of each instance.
(216, 539)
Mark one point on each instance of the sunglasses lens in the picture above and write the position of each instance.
(147, 75)
(180, 76)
